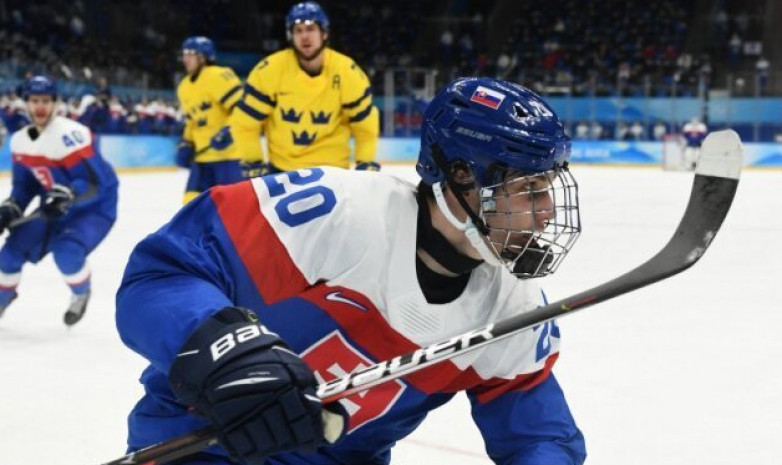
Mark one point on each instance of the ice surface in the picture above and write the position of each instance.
(684, 372)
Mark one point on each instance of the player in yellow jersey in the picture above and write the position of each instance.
(309, 100)
(207, 95)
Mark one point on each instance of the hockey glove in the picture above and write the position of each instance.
(255, 391)
(185, 153)
(9, 212)
(222, 140)
(367, 166)
(254, 169)
(56, 202)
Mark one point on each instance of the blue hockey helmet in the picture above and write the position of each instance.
(39, 85)
(504, 142)
(485, 123)
(202, 45)
(306, 12)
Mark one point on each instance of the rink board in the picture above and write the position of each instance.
(159, 151)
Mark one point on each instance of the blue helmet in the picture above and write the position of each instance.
(487, 123)
(202, 45)
(502, 140)
(39, 85)
(306, 11)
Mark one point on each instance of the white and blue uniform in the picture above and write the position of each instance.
(694, 132)
(63, 153)
(326, 259)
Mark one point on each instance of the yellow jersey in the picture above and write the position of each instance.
(308, 120)
(206, 102)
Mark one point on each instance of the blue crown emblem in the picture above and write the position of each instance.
(205, 106)
(304, 138)
(290, 115)
(320, 117)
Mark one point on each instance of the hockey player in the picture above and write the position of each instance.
(55, 158)
(694, 133)
(255, 291)
(207, 95)
(309, 100)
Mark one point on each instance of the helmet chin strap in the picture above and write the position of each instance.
(467, 227)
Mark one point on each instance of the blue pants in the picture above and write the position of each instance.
(70, 239)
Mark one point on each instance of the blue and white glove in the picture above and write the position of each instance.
(185, 153)
(257, 393)
(367, 166)
(57, 201)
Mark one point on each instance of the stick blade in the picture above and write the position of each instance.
(721, 155)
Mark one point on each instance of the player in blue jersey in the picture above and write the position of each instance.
(256, 291)
(55, 159)
(694, 132)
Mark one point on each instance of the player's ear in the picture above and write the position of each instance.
(325, 35)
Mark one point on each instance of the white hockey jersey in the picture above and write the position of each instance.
(63, 153)
(326, 258)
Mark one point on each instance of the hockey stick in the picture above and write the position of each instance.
(25, 219)
(36, 214)
(715, 184)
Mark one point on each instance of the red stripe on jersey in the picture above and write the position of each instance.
(368, 328)
(494, 388)
(263, 254)
(68, 161)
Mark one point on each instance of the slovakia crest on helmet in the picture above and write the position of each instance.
(487, 97)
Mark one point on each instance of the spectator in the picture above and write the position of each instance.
(762, 66)
(636, 131)
(742, 22)
(116, 123)
(621, 132)
(734, 49)
(446, 48)
(596, 131)
(659, 131)
(103, 92)
(13, 114)
(582, 131)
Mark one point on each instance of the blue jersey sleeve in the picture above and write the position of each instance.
(531, 427)
(24, 185)
(174, 280)
(94, 180)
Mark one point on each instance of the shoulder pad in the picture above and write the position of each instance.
(18, 136)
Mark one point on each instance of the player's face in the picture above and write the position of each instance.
(308, 39)
(40, 108)
(522, 208)
(192, 61)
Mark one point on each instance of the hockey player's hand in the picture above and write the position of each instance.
(185, 153)
(254, 169)
(367, 166)
(222, 140)
(9, 211)
(57, 201)
(256, 392)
